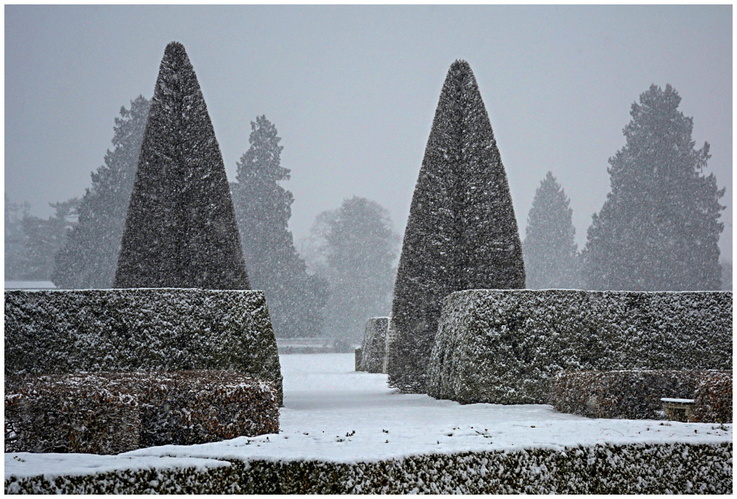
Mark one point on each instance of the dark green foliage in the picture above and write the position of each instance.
(505, 347)
(44, 238)
(551, 254)
(52, 332)
(713, 398)
(263, 209)
(355, 248)
(89, 257)
(621, 394)
(180, 229)
(109, 413)
(659, 226)
(373, 349)
(653, 468)
(461, 232)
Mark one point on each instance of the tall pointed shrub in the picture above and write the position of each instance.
(180, 230)
(461, 232)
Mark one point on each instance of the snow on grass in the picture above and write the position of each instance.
(333, 413)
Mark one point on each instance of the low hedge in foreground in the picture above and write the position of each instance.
(624, 394)
(373, 350)
(506, 346)
(109, 413)
(617, 469)
(164, 329)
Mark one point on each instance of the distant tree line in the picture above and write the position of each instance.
(657, 230)
(659, 227)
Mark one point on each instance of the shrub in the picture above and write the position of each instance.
(713, 398)
(653, 468)
(373, 350)
(624, 394)
(54, 332)
(505, 346)
(109, 413)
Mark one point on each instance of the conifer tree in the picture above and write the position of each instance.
(551, 253)
(659, 227)
(461, 232)
(15, 239)
(263, 209)
(89, 257)
(44, 239)
(355, 249)
(180, 229)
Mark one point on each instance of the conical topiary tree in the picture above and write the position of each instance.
(461, 232)
(180, 230)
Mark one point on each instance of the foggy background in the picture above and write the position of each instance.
(353, 90)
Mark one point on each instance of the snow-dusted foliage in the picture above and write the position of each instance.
(659, 226)
(263, 208)
(373, 349)
(109, 413)
(505, 347)
(647, 468)
(50, 332)
(180, 230)
(713, 397)
(461, 232)
(626, 394)
(551, 253)
(89, 256)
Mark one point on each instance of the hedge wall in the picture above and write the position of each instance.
(373, 350)
(60, 331)
(505, 346)
(713, 397)
(624, 394)
(621, 469)
(109, 413)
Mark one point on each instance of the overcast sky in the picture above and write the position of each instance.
(353, 90)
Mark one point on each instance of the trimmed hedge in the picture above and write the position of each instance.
(109, 413)
(621, 394)
(713, 398)
(165, 329)
(505, 346)
(85, 414)
(618, 469)
(373, 350)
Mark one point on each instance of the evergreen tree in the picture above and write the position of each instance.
(15, 239)
(355, 248)
(180, 228)
(263, 209)
(659, 226)
(44, 239)
(90, 256)
(551, 253)
(461, 232)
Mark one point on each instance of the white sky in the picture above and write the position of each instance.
(353, 89)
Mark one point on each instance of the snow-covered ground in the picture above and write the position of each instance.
(333, 413)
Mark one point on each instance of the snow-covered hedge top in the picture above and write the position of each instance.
(502, 346)
(162, 329)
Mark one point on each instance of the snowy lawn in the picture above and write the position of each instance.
(333, 413)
